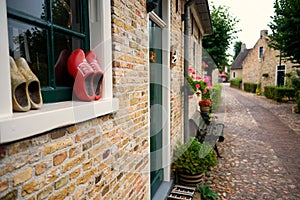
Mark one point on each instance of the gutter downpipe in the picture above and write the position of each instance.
(186, 66)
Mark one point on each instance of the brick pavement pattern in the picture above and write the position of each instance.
(261, 152)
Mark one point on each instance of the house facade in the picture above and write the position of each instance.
(263, 64)
(236, 70)
(117, 147)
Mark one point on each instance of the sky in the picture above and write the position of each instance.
(254, 16)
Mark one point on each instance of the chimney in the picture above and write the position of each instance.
(263, 34)
(243, 47)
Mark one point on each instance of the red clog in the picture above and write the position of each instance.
(97, 81)
(83, 74)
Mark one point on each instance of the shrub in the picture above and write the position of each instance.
(297, 98)
(278, 93)
(236, 82)
(269, 91)
(282, 92)
(250, 87)
(216, 96)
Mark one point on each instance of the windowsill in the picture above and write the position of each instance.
(51, 116)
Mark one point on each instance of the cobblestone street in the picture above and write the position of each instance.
(261, 149)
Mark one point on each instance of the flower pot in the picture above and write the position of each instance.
(190, 180)
(204, 108)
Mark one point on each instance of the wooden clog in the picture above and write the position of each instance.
(34, 87)
(19, 88)
(97, 81)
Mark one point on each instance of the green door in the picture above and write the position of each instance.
(155, 40)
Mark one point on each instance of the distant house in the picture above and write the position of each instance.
(237, 65)
(263, 64)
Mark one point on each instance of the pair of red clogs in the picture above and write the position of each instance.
(85, 69)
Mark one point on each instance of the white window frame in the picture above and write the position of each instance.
(279, 70)
(19, 125)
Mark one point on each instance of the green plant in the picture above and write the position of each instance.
(250, 87)
(236, 82)
(216, 96)
(282, 92)
(297, 98)
(198, 84)
(193, 157)
(207, 193)
(269, 91)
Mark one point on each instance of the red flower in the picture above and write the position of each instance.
(205, 102)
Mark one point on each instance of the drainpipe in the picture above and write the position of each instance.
(186, 66)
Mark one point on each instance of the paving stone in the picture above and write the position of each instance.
(261, 149)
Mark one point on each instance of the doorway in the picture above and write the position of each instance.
(156, 106)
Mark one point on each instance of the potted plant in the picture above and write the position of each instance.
(199, 85)
(191, 160)
(205, 105)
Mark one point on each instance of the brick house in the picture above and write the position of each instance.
(263, 64)
(118, 147)
(236, 70)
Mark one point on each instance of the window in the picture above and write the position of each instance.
(18, 18)
(233, 74)
(41, 31)
(280, 74)
(260, 53)
(195, 55)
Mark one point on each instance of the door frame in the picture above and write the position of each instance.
(166, 81)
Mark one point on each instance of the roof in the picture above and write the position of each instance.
(238, 62)
(201, 7)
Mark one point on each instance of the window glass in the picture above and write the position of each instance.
(35, 8)
(261, 51)
(29, 42)
(63, 45)
(65, 13)
(45, 32)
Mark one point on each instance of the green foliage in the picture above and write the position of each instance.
(203, 87)
(207, 193)
(193, 157)
(237, 49)
(286, 29)
(216, 96)
(236, 82)
(250, 87)
(224, 27)
(282, 92)
(297, 98)
(278, 93)
(269, 91)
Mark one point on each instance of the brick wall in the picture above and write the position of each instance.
(103, 158)
(254, 66)
(177, 81)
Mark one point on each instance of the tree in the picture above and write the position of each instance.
(285, 28)
(224, 27)
(236, 49)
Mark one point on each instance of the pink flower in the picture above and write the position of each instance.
(206, 79)
(204, 63)
(199, 78)
(205, 91)
(194, 72)
(191, 70)
(197, 86)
